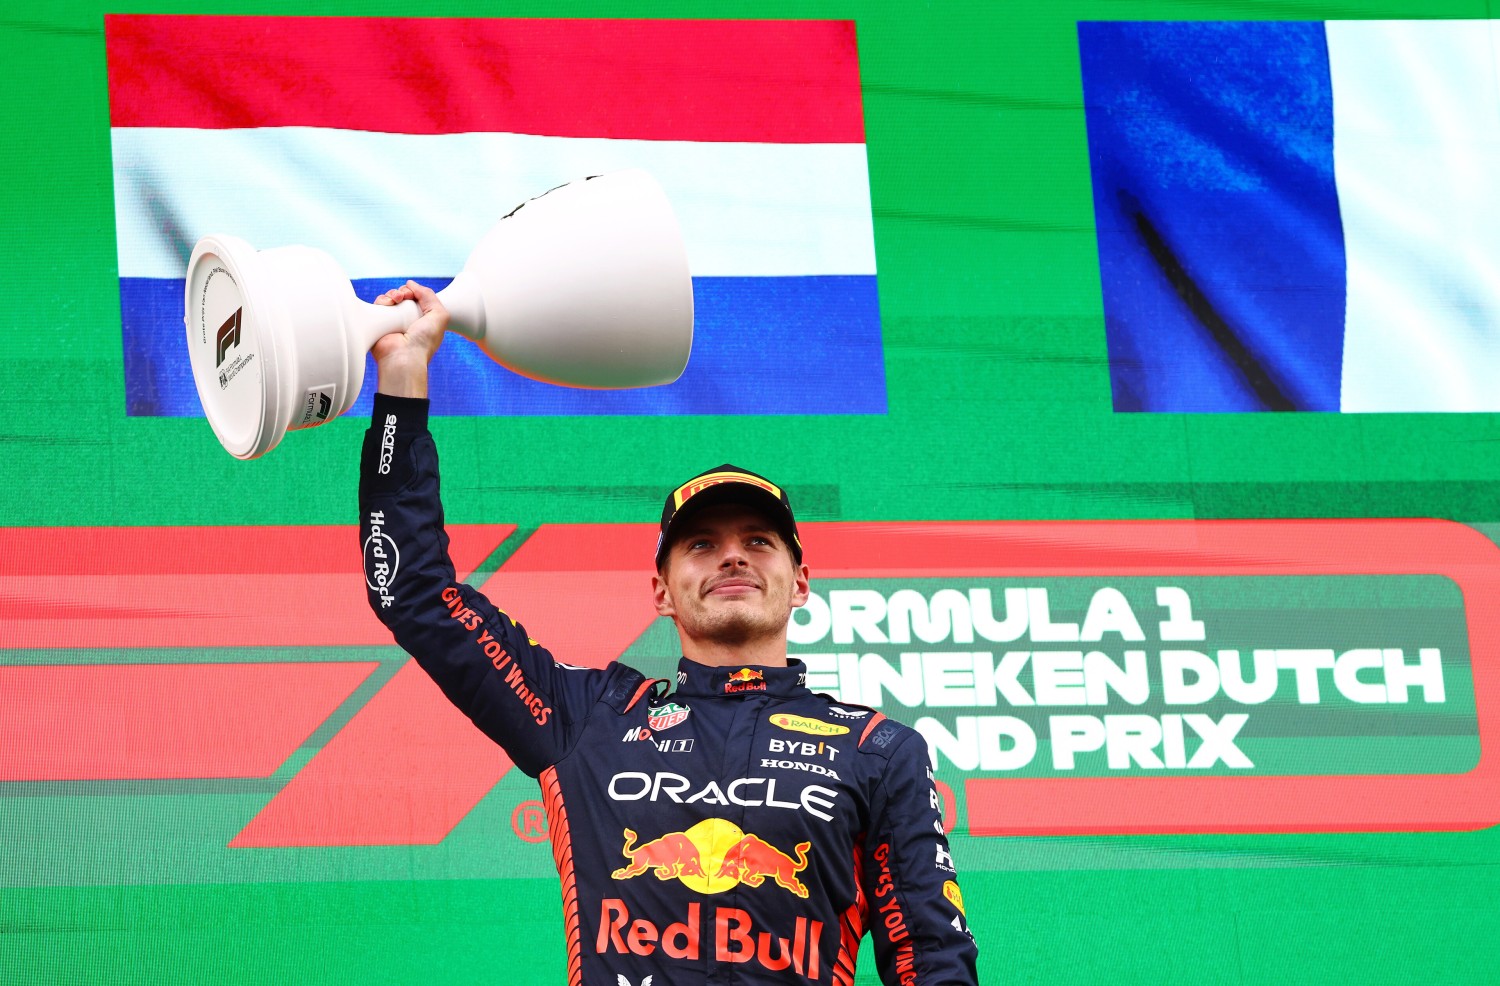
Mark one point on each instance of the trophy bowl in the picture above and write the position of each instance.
(586, 285)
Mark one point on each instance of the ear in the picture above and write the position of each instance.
(801, 586)
(662, 596)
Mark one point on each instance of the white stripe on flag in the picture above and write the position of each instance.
(387, 205)
(1416, 113)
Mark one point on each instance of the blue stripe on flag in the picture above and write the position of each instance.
(1221, 251)
(761, 345)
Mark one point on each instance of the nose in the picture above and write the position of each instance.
(732, 555)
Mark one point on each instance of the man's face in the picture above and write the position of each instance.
(730, 577)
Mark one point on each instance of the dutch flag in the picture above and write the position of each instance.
(394, 144)
(1297, 216)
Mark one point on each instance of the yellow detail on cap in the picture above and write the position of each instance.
(692, 488)
(955, 896)
(802, 724)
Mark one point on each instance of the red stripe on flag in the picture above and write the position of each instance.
(404, 771)
(198, 586)
(766, 81)
(156, 722)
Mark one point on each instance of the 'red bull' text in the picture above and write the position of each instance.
(736, 938)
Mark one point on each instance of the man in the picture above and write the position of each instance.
(737, 829)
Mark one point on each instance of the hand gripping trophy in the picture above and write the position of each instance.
(583, 286)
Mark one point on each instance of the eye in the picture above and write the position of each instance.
(695, 543)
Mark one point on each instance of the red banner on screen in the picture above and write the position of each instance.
(289, 587)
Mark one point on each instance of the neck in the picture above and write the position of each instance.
(765, 651)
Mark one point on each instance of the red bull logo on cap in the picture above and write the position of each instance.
(713, 856)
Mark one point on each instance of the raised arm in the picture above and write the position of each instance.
(485, 663)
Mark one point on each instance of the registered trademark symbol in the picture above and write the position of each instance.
(529, 821)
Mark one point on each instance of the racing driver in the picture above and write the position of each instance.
(726, 827)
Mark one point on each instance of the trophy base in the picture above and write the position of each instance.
(269, 341)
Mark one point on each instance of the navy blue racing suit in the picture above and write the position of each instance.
(735, 828)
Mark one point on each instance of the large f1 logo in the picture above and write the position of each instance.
(229, 335)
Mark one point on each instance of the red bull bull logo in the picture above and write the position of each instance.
(744, 680)
(673, 855)
(713, 856)
(752, 859)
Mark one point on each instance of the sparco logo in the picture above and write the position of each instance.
(381, 559)
(387, 444)
(229, 335)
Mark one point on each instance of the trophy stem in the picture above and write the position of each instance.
(462, 299)
(369, 322)
(465, 306)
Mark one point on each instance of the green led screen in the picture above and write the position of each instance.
(1129, 365)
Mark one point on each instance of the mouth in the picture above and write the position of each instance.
(732, 587)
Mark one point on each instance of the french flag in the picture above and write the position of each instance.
(1297, 216)
(394, 144)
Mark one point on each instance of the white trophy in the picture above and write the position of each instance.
(584, 286)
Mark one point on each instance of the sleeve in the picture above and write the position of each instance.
(916, 916)
(482, 659)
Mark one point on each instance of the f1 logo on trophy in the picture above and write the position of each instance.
(586, 285)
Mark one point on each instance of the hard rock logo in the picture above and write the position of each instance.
(713, 856)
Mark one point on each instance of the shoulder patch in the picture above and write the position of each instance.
(881, 735)
(628, 688)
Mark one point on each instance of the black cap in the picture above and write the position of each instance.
(728, 484)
